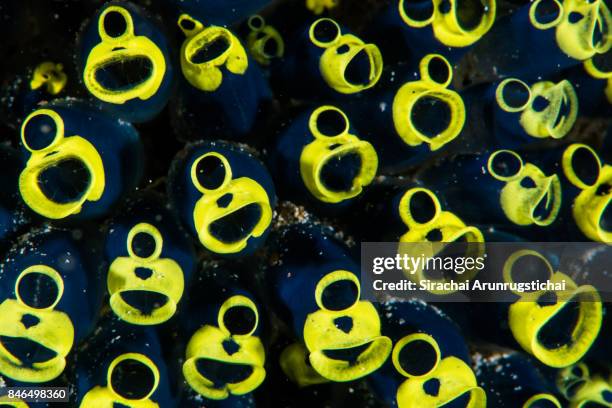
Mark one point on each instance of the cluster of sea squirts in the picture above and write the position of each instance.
(185, 185)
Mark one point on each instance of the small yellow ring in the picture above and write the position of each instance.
(323, 44)
(404, 206)
(497, 176)
(411, 22)
(141, 358)
(314, 128)
(59, 131)
(424, 69)
(568, 169)
(409, 339)
(234, 301)
(129, 24)
(509, 264)
(256, 27)
(544, 26)
(194, 177)
(197, 26)
(499, 95)
(43, 270)
(332, 277)
(150, 230)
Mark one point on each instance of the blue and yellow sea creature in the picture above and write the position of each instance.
(546, 36)
(224, 354)
(412, 115)
(320, 159)
(318, 290)
(498, 187)
(150, 259)
(223, 92)
(511, 113)
(325, 61)
(78, 161)
(122, 365)
(430, 363)
(51, 292)
(125, 62)
(223, 195)
(425, 26)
